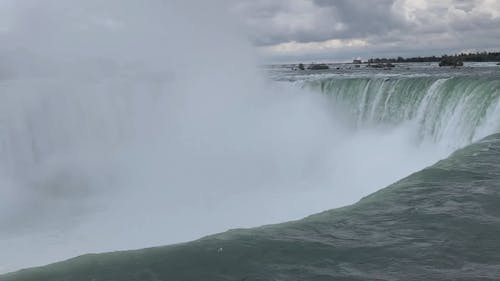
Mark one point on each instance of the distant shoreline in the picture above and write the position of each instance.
(464, 57)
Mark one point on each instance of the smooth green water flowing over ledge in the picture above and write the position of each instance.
(442, 223)
(456, 110)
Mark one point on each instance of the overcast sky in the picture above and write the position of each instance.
(346, 29)
(340, 30)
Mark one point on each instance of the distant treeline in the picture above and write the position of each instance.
(478, 57)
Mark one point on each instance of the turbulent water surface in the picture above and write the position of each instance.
(78, 148)
(126, 125)
(442, 223)
(125, 158)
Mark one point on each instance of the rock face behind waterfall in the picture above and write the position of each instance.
(442, 223)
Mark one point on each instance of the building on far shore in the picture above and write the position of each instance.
(357, 61)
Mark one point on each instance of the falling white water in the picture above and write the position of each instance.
(126, 125)
(448, 112)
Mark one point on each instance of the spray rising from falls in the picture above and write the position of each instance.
(449, 111)
(138, 125)
(126, 125)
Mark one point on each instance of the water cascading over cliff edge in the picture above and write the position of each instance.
(120, 133)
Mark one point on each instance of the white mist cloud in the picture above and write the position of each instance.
(130, 124)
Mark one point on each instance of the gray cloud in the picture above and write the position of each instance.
(362, 19)
(287, 27)
(317, 20)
